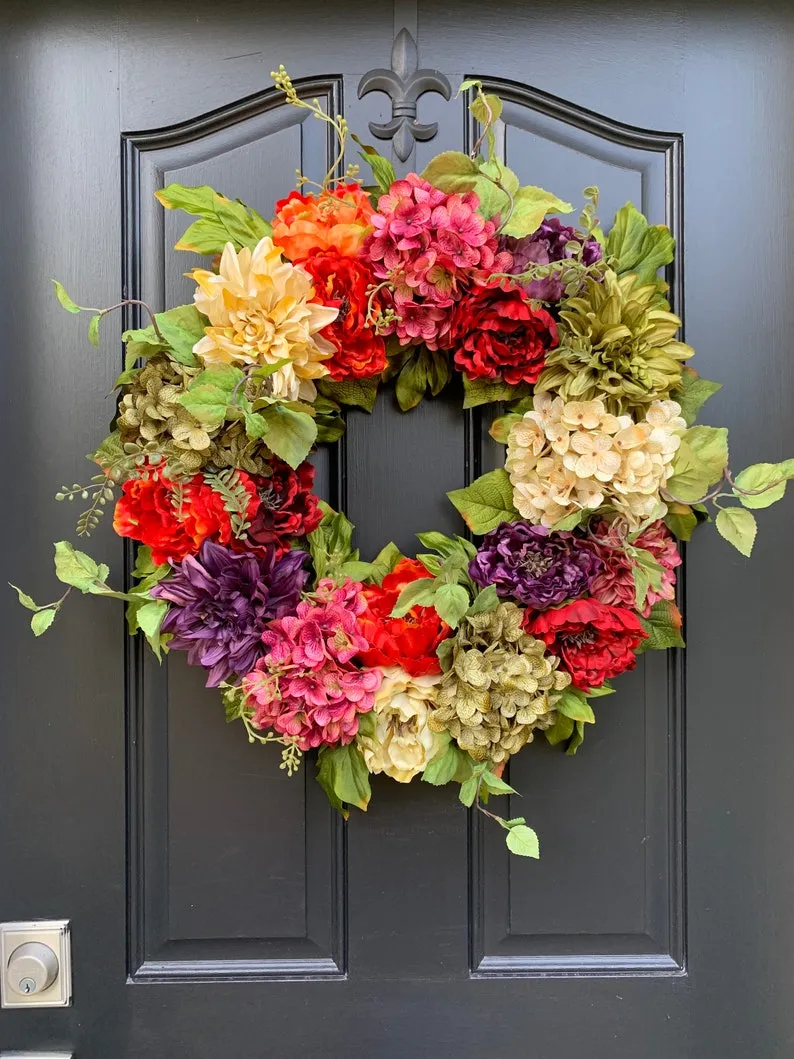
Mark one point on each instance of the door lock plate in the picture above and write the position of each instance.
(35, 965)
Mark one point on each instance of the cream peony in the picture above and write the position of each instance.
(260, 312)
(401, 744)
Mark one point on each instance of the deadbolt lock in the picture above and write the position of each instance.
(35, 960)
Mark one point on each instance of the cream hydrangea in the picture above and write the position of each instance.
(564, 457)
(260, 312)
(400, 743)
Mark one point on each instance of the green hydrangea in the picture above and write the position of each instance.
(617, 342)
(501, 687)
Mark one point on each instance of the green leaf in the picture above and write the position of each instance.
(412, 382)
(67, 303)
(180, 339)
(451, 603)
(530, 206)
(501, 427)
(150, 616)
(484, 601)
(561, 730)
(24, 598)
(647, 573)
(451, 171)
(663, 626)
(486, 108)
(635, 246)
(290, 434)
(360, 393)
(576, 739)
(762, 476)
(93, 329)
(494, 181)
(738, 527)
(385, 561)
(486, 503)
(342, 774)
(222, 220)
(486, 391)
(356, 570)
(255, 425)
(444, 652)
(185, 326)
(419, 593)
(447, 546)
(76, 568)
(468, 791)
(573, 704)
(496, 785)
(601, 691)
(207, 404)
(445, 765)
(699, 463)
(523, 841)
(571, 521)
(42, 620)
(693, 393)
(382, 169)
(680, 520)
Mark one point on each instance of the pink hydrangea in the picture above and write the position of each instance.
(431, 246)
(615, 583)
(307, 686)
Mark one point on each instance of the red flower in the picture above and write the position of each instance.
(594, 640)
(343, 282)
(288, 507)
(174, 525)
(408, 642)
(497, 334)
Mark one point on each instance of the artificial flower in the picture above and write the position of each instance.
(614, 584)
(175, 521)
(287, 506)
(344, 283)
(397, 740)
(409, 642)
(336, 218)
(307, 686)
(617, 343)
(497, 334)
(594, 641)
(261, 310)
(533, 565)
(551, 242)
(220, 602)
(501, 687)
(577, 456)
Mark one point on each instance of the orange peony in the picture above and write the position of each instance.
(335, 219)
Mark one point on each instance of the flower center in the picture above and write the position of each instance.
(270, 497)
(579, 639)
(535, 563)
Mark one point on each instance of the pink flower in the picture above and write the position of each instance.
(614, 585)
(307, 687)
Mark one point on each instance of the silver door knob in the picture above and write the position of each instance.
(32, 968)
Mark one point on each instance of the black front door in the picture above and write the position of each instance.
(221, 911)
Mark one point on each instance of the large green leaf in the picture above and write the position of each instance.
(574, 705)
(76, 568)
(693, 393)
(451, 171)
(530, 206)
(486, 503)
(222, 220)
(769, 477)
(636, 246)
(663, 626)
(360, 393)
(738, 527)
(290, 434)
(700, 462)
(342, 774)
(451, 603)
(523, 841)
(485, 391)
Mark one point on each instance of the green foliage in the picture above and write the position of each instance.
(451, 603)
(530, 206)
(569, 522)
(663, 627)
(485, 600)
(180, 328)
(229, 487)
(67, 303)
(42, 620)
(681, 520)
(382, 168)
(486, 503)
(699, 463)
(633, 245)
(451, 764)
(93, 329)
(560, 731)
(328, 417)
(451, 171)
(424, 370)
(77, 569)
(738, 527)
(24, 598)
(330, 545)
(359, 393)
(574, 705)
(693, 393)
(763, 484)
(647, 573)
(486, 391)
(290, 434)
(342, 774)
(419, 593)
(523, 841)
(221, 220)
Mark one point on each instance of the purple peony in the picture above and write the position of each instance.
(220, 601)
(533, 565)
(545, 245)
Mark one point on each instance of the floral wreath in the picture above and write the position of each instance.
(443, 665)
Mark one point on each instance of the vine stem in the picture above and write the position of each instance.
(136, 301)
(488, 123)
(717, 490)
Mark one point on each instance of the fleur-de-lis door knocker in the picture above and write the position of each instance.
(404, 84)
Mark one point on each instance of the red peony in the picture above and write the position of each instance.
(595, 641)
(172, 525)
(497, 334)
(344, 282)
(287, 506)
(409, 642)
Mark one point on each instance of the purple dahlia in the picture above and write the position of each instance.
(534, 565)
(220, 601)
(545, 245)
